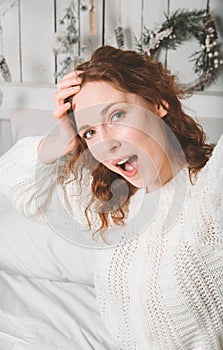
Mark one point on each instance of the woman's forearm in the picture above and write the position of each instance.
(50, 149)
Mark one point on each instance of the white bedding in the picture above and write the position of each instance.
(47, 296)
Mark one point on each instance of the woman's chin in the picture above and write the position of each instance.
(137, 182)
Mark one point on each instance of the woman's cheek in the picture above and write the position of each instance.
(94, 149)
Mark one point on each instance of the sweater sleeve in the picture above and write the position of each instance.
(209, 196)
(216, 164)
(19, 168)
(217, 169)
(215, 179)
(35, 189)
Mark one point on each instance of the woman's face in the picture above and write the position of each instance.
(123, 132)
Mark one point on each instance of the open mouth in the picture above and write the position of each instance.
(128, 165)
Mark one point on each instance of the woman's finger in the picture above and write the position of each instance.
(61, 95)
(61, 111)
(62, 84)
(70, 79)
(73, 74)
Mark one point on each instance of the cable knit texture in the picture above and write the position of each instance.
(163, 289)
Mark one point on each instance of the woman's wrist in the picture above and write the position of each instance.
(50, 149)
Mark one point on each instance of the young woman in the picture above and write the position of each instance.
(134, 168)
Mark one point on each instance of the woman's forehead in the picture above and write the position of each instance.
(102, 93)
(98, 92)
(93, 114)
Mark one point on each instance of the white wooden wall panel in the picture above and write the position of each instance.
(39, 19)
(153, 13)
(179, 61)
(131, 20)
(88, 40)
(112, 21)
(37, 25)
(61, 6)
(153, 16)
(217, 11)
(10, 37)
(128, 16)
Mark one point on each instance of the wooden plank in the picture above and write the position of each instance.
(37, 27)
(131, 17)
(111, 21)
(62, 6)
(153, 16)
(179, 60)
(216, 9)
(89, 41)
(128, 16)
(9, 40)
(153, 13)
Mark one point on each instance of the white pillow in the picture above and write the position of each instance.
(35, 250)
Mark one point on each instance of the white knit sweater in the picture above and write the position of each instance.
(163, 289)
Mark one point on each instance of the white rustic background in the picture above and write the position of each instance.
(27, 36)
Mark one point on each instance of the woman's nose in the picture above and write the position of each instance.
(109, 141)
(108, 147)
(105, 149)
(113, 145)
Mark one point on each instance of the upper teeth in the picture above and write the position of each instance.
(123, 161)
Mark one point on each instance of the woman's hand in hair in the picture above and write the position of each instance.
(66, 88)
(54, 146)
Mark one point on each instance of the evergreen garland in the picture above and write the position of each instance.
(65, 41)
(181, 26)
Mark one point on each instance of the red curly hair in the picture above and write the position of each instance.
(136, 73)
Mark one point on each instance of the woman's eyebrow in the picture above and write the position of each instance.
(103, 112)
(106, 108)
(84, 127)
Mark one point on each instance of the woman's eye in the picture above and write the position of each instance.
(117, 116)
(88, 134)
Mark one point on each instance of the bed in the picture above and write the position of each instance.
(47, 295)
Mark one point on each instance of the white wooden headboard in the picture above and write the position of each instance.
(31, 122)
